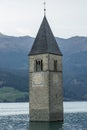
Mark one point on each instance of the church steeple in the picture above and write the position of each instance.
(45, 41)
(45, 77)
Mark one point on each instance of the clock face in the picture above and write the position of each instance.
(37, 79)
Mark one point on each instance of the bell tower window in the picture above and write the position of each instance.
(55, 65)
(38, 65)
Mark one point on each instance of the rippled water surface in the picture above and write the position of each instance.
(16, 117)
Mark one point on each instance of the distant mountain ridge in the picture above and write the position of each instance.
(14, 56)
(74, 67)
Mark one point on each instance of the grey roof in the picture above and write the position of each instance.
(45, 41)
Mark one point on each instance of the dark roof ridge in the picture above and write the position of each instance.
(45, 31)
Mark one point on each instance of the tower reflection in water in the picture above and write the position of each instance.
(45, 126)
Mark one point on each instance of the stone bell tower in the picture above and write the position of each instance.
(45, 72)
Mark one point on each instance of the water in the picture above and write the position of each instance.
(15, 116)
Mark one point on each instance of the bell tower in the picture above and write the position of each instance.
(45, 72)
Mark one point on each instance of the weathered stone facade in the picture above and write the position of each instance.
(46, 99)
(45, 89)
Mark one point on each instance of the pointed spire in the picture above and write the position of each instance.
(45, 41)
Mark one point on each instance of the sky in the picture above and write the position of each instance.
(67, 18)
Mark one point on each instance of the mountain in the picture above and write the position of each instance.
(14, 51)
(14, 64)
(74, 67)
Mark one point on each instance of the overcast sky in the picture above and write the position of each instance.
(23, 17)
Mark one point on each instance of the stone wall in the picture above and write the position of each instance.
(46, 99)
(51, 62)
(44, 57)
(56, 94)
(39, 90)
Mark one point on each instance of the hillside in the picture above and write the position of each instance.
(14, 65)
(74, 67)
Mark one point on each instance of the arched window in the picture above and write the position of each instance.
(55, 65)
(39, 65)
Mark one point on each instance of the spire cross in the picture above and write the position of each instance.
(44, 8)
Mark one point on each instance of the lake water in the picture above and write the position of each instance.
(15, 116)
